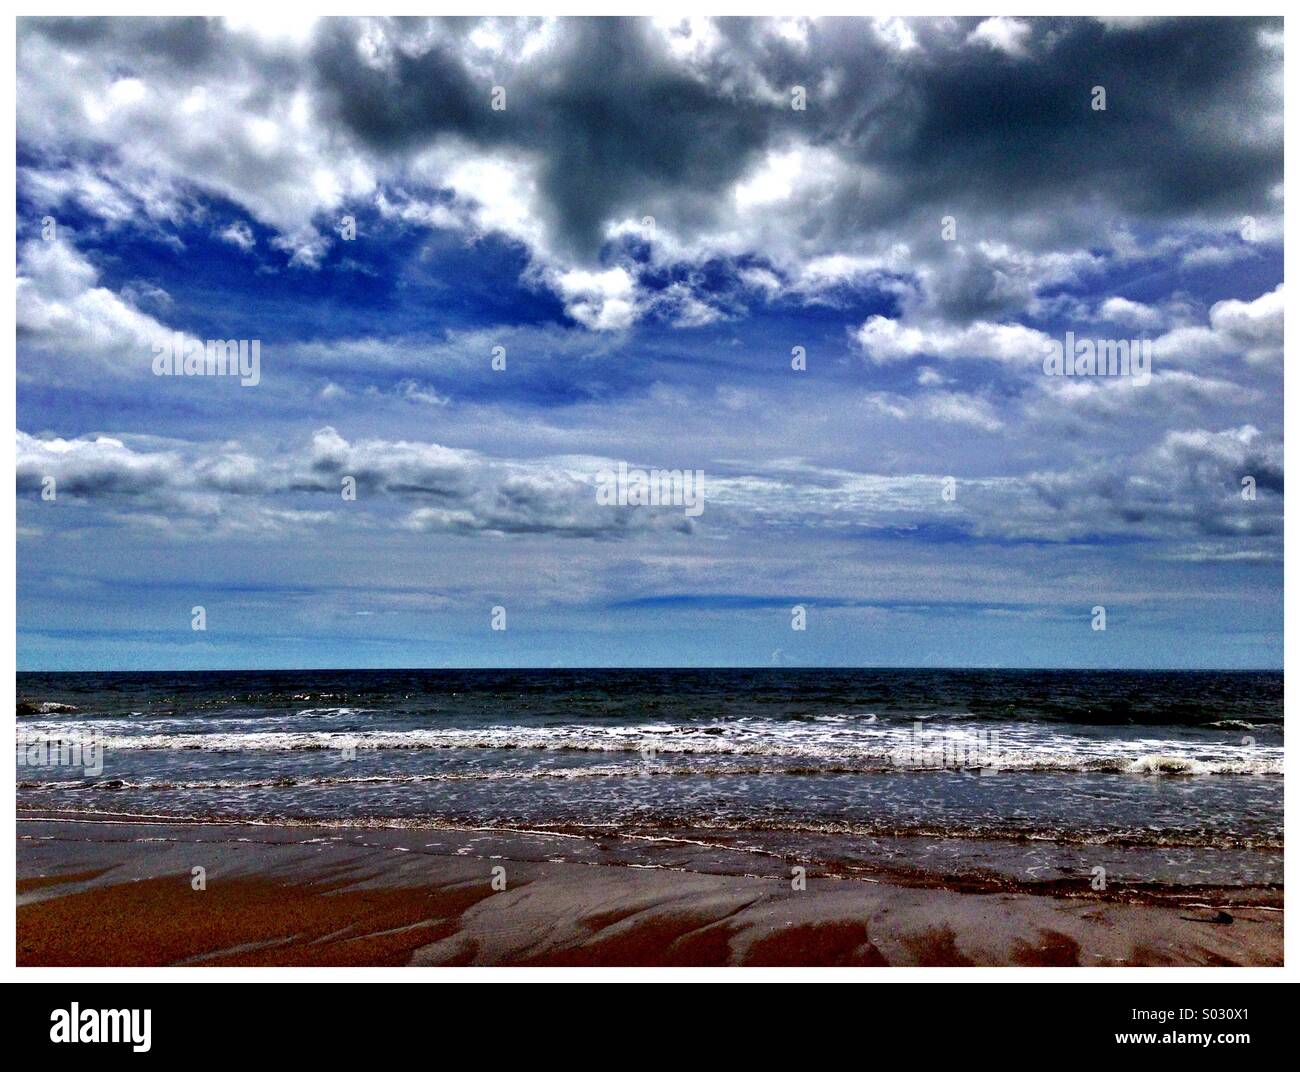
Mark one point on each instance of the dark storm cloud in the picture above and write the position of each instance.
(618, 124)
(612, 118)
(1182, 98)
(410, 99)
(951, 123)
(182, 41)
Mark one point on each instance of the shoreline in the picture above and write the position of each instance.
(124, 891)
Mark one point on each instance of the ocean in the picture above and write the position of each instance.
(1055, 779)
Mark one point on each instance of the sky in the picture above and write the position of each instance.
(486, 261)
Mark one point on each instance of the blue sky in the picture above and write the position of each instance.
(948, 202)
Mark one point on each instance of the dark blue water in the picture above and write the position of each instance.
(1161, 777)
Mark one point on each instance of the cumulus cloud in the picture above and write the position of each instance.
(1251, 330)
(1190, 486)
(1002, 34)
(1187, 489)
(907, 121)
(62, 309)
(602, 301)
(1133, 314)
(884, 340)
(438, 488)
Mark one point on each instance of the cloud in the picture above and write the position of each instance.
(1185, 490)
(687, 122)
(1251, 330)
(1112, 397)
(1133, 314)
(1189, 487)
(1002, 34)
(602, 301)
(62, 309)
(189, 105)
(1254, 328)
(144, 481)
(238, 233)
(884, 340)
(1217, 256)
(945, 407)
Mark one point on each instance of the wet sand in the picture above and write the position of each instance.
(124, 893)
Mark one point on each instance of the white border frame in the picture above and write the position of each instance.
(8, 971)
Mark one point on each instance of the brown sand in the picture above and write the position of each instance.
(103, 893)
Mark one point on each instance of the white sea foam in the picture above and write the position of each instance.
(1164, 764)
(861, 744)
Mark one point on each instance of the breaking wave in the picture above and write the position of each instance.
(821, 750)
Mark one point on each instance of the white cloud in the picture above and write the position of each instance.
(62, 309)
(239, 137)
(1003, 34)
(895, 32)
(263, 132)
(1256, 326)
(601, 301)
(1107, 398)
(1130, 313)
(684, 310)
(885, 340)
(944, 407)
(1252, 330)
(238, 233)
(413, 391)
(140, 480)
(1210, 256)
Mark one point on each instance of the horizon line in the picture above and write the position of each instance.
(764, 666)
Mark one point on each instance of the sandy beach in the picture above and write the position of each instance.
(117, 892)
